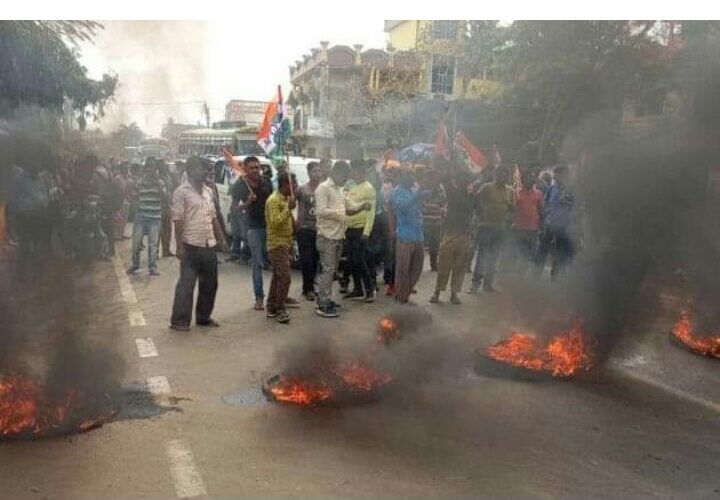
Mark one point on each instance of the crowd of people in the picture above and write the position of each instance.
(77, 207)
(351, 220)
(350, 223)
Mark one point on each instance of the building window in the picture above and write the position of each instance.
(443, 75)
(444, 30)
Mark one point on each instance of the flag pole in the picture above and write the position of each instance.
(283, 147)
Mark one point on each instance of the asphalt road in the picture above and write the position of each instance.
(636, 431)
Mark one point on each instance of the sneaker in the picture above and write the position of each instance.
(327, 311)
(370, 296)
(291, 303)
(332, 304)
(473, 289)
(490, 289)
(209, 323)
(455, 299)
(355, 295)
(154, 272)
(310, 296)
(259, 305)
(132, 270)
(271, 314)
(435, 299)
(180, 328)
(282, 317)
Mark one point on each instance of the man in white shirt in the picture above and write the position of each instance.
(197, 234)
(331, 213)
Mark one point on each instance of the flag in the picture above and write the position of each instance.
(475, 155)
(275, 128)
(442, 146)
(232, 164)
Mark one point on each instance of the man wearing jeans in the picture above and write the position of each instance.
(197, 234)
(151, 198)
(252, 194)
(496, 203)
(306, 232)
(331, 214)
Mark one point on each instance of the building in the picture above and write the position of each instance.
(249, 112)
(349, 102)
(437, 44)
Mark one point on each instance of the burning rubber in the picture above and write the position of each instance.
(683, 334)
(27, 412)
(523, 355)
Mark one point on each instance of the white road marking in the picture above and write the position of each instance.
(634, 374)
(126, 289)
(136, 318)
(187, 479)
(146, 348)
(158, 386)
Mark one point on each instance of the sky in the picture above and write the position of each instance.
(170, 68)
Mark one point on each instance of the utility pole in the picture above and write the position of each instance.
(206, 113)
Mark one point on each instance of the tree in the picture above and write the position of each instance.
(129, 135)
(558, 74)
(38, 66)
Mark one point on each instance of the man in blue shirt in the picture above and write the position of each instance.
(409, 252)
(559, 233)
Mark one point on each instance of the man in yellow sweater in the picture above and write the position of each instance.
(280, 230)
(359, 227)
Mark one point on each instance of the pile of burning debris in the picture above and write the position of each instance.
(27, 410)
(524, 355)
(331, 377)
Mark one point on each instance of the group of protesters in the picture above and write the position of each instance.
(75, 206)
(352, 219)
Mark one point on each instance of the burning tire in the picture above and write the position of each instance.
(524, 356)
(683, 335)
(280, 389)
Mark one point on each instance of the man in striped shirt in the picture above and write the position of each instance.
(150, 194)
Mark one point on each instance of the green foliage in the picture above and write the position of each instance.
(38, 67)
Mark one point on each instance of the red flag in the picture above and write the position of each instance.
(442, 148)
(233, 163)
(476, 156)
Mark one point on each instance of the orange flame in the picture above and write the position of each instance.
(328, 384)
(359, 376)
(301, 392)
(564, 356)
(684, 331)
(389, 330)
(24, 409)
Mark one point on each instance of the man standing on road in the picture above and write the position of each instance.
(407, 201)
(197, 235)
(331, 213)
(455, 245)
(307, 233)
(358, 231)
(495, 202)
(252, 194)
(151, 196)
(280, 229)
(433, 213)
